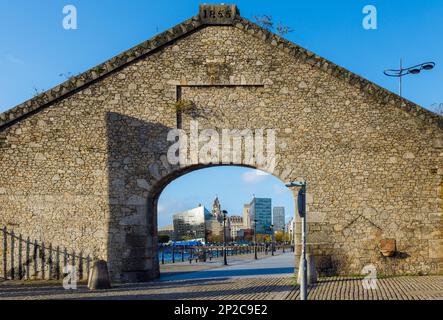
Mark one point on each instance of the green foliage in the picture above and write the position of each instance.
(263, 238)
(184, 106)
(163, 238)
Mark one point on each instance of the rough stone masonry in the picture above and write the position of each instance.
(83, 164)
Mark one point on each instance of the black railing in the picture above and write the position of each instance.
(26, 259)
(173, 254)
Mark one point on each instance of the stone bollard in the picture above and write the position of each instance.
(312, 272)
(99, 276)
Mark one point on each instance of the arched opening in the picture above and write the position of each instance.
(204, 212)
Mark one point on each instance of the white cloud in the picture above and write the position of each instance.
(161, 209)
(13, 59)
(254, 176)
(279, 189)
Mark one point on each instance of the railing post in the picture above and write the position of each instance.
(87, 266)
(57, 263)
(80, 266)
(5, 253)
(42, 259)
(65, 260)
(73, 258)
(50, 275)
(183, 253)
(173, 254)
(20, 248)
(34, 258)
(163, 254)
(28, 252)
(12, 255)
(190, 255)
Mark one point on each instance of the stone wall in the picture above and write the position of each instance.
(85, 171)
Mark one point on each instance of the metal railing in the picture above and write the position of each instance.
(174, 254)
(23, 259)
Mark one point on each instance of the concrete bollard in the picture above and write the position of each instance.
(312, 272)
(99, 276)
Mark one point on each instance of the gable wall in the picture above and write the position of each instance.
(84, 172)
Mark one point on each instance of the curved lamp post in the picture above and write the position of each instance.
(400, 73)
(272, 238)
(255, 239)
(284, 239)
(301, 199)
(225, 261)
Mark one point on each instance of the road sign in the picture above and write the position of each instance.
(301, 202)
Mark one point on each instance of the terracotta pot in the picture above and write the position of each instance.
(388, 247)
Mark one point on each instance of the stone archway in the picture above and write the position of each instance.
(81, 163)
(138, 261)
(235, 174)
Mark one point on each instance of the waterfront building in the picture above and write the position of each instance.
(261, 210)
(191, 224)
(236, 224)
(290, 229)
(214, 224)
(247, 216)
(278, 218)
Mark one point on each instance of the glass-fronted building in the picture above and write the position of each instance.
(191, 224)
(261, 210)
(278, 218)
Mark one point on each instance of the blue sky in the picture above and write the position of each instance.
(35, 49)
(234, 186)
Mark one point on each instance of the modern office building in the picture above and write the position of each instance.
(261, 211)
(191, 224)
(278, 218)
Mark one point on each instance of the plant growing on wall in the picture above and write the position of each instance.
(184, 106)
(267, 22)
(37, 91)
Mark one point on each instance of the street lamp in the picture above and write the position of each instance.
(272, 238)
(400, 73)
(284, 239)
(255, 239)
(302, 213)
(225, 261)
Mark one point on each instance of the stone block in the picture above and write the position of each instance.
(99, 276)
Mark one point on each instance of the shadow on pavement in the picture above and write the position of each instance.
(230, 273)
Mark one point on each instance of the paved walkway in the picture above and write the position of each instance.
(245, 279)
(281, 265)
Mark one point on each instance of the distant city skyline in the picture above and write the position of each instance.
(236, 187)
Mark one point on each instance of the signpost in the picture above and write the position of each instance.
(301, 204)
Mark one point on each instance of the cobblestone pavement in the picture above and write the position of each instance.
(244, 279)
(401, 288)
